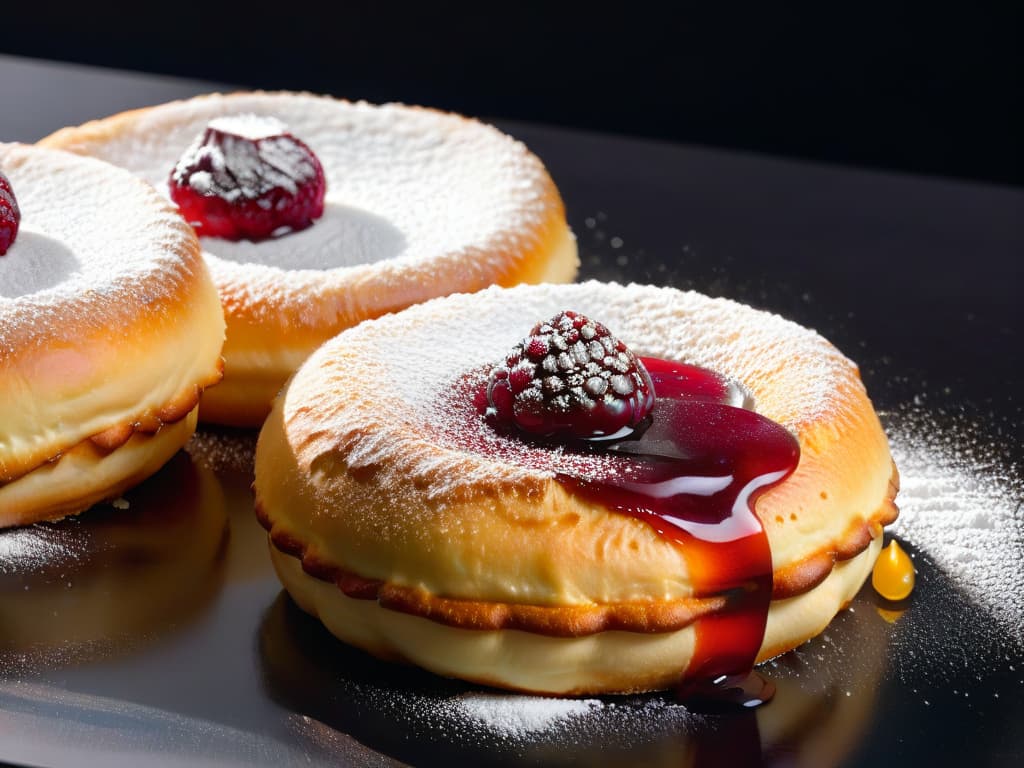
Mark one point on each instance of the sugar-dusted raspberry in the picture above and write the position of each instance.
(570, 379)
(246, 178)
(10, 215)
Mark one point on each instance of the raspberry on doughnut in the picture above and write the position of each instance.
(246, 177)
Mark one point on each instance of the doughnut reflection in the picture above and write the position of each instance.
(116, 576)
(825, 702)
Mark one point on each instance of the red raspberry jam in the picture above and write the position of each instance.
(10, 215)
(247, 178)
(694, 475)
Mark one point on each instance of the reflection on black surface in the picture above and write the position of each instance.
(953, 691)
(112, 578)
(821, 710)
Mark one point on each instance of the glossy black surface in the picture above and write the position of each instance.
(915, 279)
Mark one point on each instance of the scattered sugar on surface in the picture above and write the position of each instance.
(34, 547)
(961, 504)
(526, 725)
(514, 715)
(961, 512)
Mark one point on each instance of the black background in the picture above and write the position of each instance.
(921, 89)
(917, 280)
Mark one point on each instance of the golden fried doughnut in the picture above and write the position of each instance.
(419, 204)
(110, 329)
(415, 531)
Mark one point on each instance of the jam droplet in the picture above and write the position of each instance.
(893, 574)
(728, 692)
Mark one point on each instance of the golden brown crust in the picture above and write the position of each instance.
(573, 620)
(111, 438)
(603, 662)
(85, 475)
(114, 437)
(556, 621)
(807, 573)
(552, 621)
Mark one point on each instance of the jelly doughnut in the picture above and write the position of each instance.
(110, 330)
(417, 528)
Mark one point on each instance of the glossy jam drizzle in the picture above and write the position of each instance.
(694, 475)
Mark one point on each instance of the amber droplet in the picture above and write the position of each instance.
(890, 617)
(893, 575)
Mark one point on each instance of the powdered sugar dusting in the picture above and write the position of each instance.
(518, 715)
(243, 158)
(424, 352)
(962, 505)
(343, 237)
(249, 126)
(35, 263)
(93, 239)
(446, 185)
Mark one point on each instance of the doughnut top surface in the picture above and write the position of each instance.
(403, 183)
(93, 238)
(423, 355)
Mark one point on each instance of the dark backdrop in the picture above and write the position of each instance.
(926, 90)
